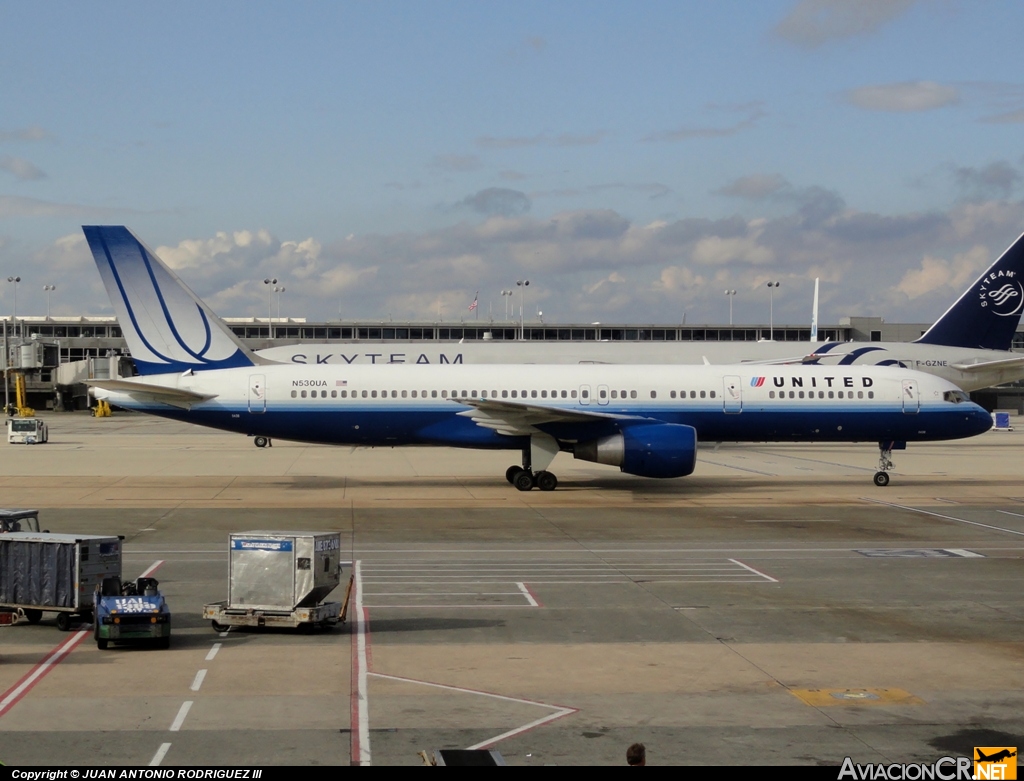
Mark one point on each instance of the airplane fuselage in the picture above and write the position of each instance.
(427, 405)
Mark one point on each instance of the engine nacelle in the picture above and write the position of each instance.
(647, 450)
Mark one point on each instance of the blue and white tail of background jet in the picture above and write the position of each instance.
(167, 327)
(987, 314)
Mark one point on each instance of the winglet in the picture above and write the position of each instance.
(987, 314)
(167, 327)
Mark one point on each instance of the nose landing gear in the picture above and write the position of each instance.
(884, 464)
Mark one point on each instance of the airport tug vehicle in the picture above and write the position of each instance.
(131, 611)
(280, 579)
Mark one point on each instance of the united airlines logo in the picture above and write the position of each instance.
(1002, 293)
(756, 382)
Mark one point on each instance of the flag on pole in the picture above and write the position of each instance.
(475, 301)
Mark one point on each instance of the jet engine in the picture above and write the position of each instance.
(647, 450)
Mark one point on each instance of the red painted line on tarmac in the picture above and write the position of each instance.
(12, 696)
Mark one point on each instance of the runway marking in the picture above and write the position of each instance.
(360, 751)
(198, 680)
(180, 718)
(945, 517)
(769, 578)
(1007, 512)
(158, 757)
(213, 652)
(528, 594)
(13, 695)
(560, 710)
(152, 568)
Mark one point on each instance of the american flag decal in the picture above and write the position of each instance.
(756, 382)
(340, 383)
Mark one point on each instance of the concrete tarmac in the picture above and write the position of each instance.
(773, 608)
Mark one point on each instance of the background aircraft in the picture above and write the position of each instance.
(969, 345)
(647, 420)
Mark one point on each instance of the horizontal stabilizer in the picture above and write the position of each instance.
(987, 366)
(175, 397)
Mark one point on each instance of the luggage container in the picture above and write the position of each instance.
(55, 573)
(280, 579)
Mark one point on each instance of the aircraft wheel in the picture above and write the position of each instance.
(546, 481)
(63, 621)
(511, 472)
(523, 481)
(881, 479)
(260, 441)
(33, 616)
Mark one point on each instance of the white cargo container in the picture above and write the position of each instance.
(280, 578)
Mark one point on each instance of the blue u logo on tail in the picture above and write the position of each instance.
(167, 327)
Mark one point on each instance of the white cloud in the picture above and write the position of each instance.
(815, 22)
(908, 96)
(22, 169)
(934, 273)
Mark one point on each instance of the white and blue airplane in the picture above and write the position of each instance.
(647, 420)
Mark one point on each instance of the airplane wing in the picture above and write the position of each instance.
(517, 419)
(175, 397)
(984, 366)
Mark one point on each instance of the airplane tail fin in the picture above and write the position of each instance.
(167, 327)
(987, 314)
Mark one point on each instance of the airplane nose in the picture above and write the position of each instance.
(981, 421)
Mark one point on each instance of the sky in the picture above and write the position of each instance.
(633, 161)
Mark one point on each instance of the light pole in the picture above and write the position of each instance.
(270, 305)
(48, 289)
(730, 293)
(279, 291)
(507, 295)
(14, 318)
(522, 284)
(771, 310)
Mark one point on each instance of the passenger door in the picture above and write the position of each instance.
(732, 394)
(911, 397)
(257, 394)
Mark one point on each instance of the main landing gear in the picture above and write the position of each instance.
(540, 453)
(884, 464)
(262, 442)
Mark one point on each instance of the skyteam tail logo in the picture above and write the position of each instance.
(1001, 293)
(756, 382)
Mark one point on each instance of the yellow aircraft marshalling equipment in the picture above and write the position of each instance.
(20, 397)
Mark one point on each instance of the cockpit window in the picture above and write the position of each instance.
(955, 397)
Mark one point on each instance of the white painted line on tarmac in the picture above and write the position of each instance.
(945, 517)
(963, 553)
(158, 757)
(152, 568)
(526, 593)
(180, 718)
(198, 681)
(769, 578)
(51, 660)
(360, 696)
(559, 710)
(213, 651)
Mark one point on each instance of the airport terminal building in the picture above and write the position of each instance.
(56, 355)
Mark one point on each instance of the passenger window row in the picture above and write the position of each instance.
(821, 394)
